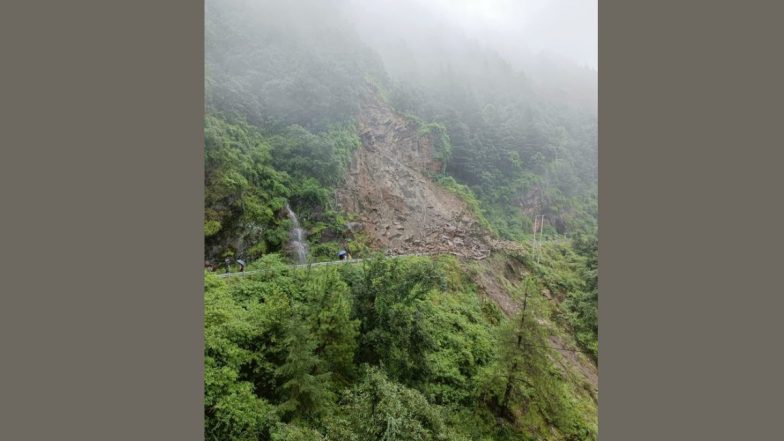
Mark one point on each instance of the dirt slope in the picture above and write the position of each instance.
(399, 206)
(403, 211)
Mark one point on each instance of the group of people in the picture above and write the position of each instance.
(344, 255)
(227, 265)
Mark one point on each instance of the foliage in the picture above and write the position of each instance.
(291, 432)
(529, 381)
(232, 408)
(583, 305)
(307, 156)
(277, 73)
(303, 375)
(467, 195)
(380, 409)
(513, 147)
(441, 142)
(385, 349)
(250, 176)
(242, 189)
(570, 271)
(389, 349)
(211, 227)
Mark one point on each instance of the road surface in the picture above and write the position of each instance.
(306, 265)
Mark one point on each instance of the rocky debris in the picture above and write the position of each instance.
(491, 286)
(355, 227)
(507, 246)
(397, 204)
(388, 189)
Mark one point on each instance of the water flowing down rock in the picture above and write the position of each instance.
(297, 243)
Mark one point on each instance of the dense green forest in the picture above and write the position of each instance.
(389, 349)
(399, 349)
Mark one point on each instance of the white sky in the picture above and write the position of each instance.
(564, 28)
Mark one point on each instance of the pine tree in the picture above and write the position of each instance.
(334, 330)
(306, 385)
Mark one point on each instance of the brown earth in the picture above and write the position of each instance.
(396, 203)
(403, 211)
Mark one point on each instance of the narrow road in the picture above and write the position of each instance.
(497, 245)
(334, 262)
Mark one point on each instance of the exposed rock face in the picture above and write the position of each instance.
(532, 205)
(387, 186)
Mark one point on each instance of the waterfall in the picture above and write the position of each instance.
(297, 238)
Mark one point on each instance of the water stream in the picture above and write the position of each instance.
(297, 242)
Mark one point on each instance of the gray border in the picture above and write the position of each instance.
(101, 180)
(690, 136)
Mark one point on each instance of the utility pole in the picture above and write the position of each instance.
(536, 229)
(508, 391)
(541, 236)
(424, 226)
(536, 219)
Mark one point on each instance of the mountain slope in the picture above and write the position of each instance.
(389, 188)
(305, 113)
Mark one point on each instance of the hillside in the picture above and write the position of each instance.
(389, 186)
(411, 348)
(317, 139)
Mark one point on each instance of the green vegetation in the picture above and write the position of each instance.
(441, 141)
(514, 150)
(249, 177)
(466, 195)
(398, 349)
(278, 65)
(569, 271)
(520, 152)
(582, 302)
(513, 141)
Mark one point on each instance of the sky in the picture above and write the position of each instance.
(566, 29)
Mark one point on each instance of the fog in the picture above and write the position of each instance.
(520, 30)
(506, 90)
(551, 43)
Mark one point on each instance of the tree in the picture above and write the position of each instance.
(380, 409)
(306, 385)
(329, 312)
(232, 409)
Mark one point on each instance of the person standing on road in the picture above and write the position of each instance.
(241, 264)
(228, 264)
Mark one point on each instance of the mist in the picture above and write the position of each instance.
(519, 30)
(552, 42)
(457, 137)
